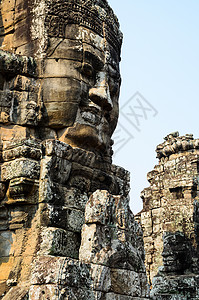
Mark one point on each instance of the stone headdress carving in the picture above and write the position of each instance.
(96, 15)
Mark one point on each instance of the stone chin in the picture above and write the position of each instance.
(87, 137)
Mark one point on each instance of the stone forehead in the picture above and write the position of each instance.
(95, 15)
(79, 40)
(80, 50)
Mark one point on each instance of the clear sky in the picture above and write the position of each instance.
(160, 60)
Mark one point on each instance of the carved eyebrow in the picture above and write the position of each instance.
(97, 62)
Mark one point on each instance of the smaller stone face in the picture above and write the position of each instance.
(178, 277)
(177, 253)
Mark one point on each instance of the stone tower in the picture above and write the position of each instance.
(170, 219)
(66, 229)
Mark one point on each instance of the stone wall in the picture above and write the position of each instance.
(57, 241)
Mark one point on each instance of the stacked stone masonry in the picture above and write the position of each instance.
(45, 203)
(169, 220)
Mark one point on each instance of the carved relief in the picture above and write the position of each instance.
(99, 19)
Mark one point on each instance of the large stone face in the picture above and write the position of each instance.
(63, 235)
(72, 89)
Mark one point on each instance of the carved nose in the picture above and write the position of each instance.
(101, 96)
(100, 93)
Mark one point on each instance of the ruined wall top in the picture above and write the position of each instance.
(175, 144)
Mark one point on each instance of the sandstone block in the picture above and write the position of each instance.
(55, 169)
(54, 147)
(101, 276)
(20, 168)
(112, 296)
(54, 291)
(7, 21)
(59, 242)
(22, 32)
(6, 42)
(59, 270)
(6, 240)
(17, 293)
(125, 282)
(61, 217)
(9, 134)
(22, 150)
(73, 198)
(22, 190)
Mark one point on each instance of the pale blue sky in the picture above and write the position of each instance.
(160, 59)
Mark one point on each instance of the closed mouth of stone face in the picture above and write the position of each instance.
(89, 117)
(92, 115)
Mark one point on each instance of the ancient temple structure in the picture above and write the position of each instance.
(66, 229)
(170, 220)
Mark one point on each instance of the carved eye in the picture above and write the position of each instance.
(87, 70)
(114, 81)
(113, 86)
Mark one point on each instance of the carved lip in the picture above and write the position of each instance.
(92, 114)
(93, 109)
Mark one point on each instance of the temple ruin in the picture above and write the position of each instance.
(170, 220)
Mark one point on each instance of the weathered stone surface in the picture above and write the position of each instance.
(125, 282)
(17, 293)
(112, 296)
(106, 234)
(59, 242)
(66, 272)
(52, 292)
(175, 287)
(20, 168)
(106, 241)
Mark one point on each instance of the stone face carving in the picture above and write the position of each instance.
(73, 93)
(178, 277)
(63, 235)
(170, 220)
